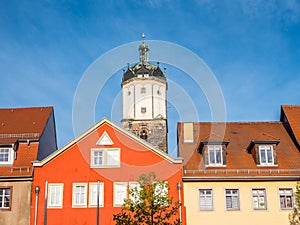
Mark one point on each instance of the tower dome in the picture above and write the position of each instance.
(143, 68)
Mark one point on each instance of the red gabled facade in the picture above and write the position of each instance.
(72, 168)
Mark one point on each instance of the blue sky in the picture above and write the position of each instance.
(252, 47)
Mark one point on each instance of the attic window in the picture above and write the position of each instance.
(213, 152)
(143, 90)
(264, 152)
(215, 157)
(266, 155)
(6, 156)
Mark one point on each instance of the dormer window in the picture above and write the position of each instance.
(266, 155)
(6, 156)
(213, 152)
(215, 155)
(264, 152)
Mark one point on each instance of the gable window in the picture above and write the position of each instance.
(259, 199)
(6, 156)
(266, 155)
(93, 191)
(161, 191)
(55, 195)
(232, 199)
(143, 90)
(105, 157)
(286, 198)
(215, 155)
(206, 200)
(5, 198)
(79, 194)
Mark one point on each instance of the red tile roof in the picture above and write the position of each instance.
(239, 162)
(22, 124)
(292, 114)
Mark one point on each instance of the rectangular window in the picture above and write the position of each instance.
(5, 198)
(120, 193)
(161, 190)
(134, 189)
(79, 194)
(105, 157)
(215, 155)
(286, 198)
(93, 191)
(232, 199)
(55, 197)
(206, 199)
(259, 199)
(143, 90)
(6, 156)
(266, 155)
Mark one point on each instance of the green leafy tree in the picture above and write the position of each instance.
(148, 203)
(294, 216)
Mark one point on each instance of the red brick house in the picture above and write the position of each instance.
(68, 178)
(26, 135)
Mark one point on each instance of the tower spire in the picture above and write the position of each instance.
(143, 49)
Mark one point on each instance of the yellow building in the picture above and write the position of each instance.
(238, 172)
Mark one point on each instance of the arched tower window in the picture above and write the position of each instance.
(144, 134)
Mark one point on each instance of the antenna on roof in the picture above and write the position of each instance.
(143, 37)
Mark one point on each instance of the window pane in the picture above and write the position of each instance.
(259, 198)
(98, 158)
(262, 156)
(232, 199)
(120, 193)
(270, 155)
(211, 156)
(113, 158)
(4, 198)
(4, 155)
(79, 195)
(205, 199)
(55, 195)
(286, 198)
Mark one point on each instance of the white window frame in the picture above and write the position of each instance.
(285, 194)
(74, 195)
(214, 149)
(117, 201)
(206, 199)
(233, 196)
(4, 196)
(106, 160)
(93, 194)
(134, 185)
(258, 197)
(263, 149)
(164, 191)
(58, 187)
(10, 157)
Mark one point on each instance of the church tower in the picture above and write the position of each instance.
(144, 91)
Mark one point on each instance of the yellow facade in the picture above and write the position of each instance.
(246, 215)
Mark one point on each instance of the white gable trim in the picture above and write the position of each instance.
(127, 133)
(104, 139)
